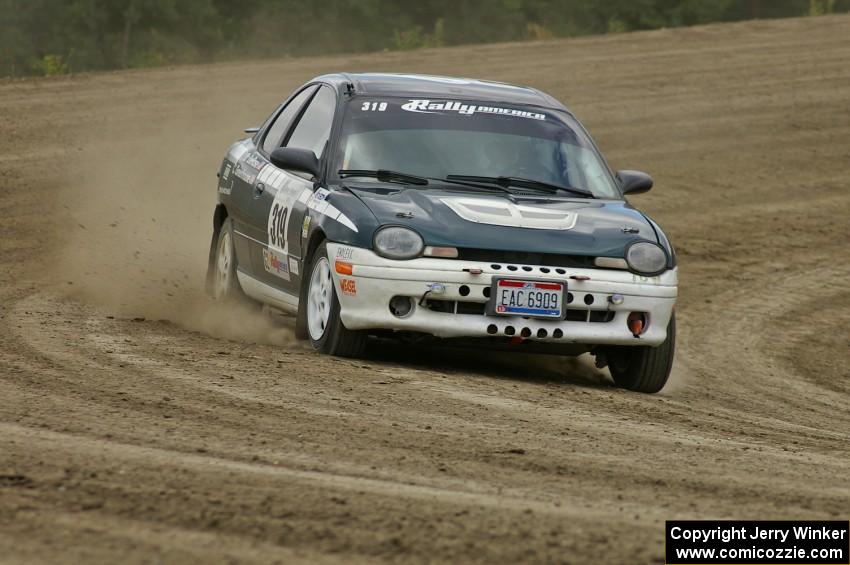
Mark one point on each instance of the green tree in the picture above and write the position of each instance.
(58, 36)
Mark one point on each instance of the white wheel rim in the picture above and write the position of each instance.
(319, 297)
(223, 260)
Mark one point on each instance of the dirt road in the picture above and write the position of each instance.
(138, 423)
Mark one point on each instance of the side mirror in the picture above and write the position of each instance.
(296, 160)
(634, 182)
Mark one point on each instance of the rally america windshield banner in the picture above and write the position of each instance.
(429, 107)
(445, 107)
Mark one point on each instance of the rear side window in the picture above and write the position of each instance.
(284, 118)
(314, 127)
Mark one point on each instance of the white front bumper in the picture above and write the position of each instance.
(364, 298)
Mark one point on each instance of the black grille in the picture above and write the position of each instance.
(478, 308)
(601, 315)
(470, 308)
(576, 315)
(448, 307)
(526, 258)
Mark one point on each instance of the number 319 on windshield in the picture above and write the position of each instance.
(374, 107)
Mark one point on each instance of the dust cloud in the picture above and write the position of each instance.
(138, 201)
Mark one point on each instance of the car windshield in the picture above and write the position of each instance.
(439, 137)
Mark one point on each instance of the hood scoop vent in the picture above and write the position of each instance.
(500, 212)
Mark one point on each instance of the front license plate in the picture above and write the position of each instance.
(516, 297)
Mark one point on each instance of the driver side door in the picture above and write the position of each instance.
(281, 196)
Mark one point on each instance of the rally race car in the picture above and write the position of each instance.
(430, 207)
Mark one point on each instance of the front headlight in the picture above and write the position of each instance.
(396, 242)
(646, 258)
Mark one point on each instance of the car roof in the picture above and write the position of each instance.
(391, 84)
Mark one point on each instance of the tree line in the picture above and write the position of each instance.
(50, 37)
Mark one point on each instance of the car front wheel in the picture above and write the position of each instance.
(325, 329)
(640, 368)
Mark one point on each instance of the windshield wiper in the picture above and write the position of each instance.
(383, 175)
(469, 184)
(471, 181)
(505, 182)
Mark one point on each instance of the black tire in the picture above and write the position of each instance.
(301, 316)
(643, 369)
(224, 285)
(331, 337)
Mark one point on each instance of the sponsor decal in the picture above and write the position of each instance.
(345, 253)
(321, 195)
(254, 161)
(293, 266)
(225, 185)
(245, 174)
(348, 286)
(276, 263)
(318, 201)
(431, 107)
(305, 226)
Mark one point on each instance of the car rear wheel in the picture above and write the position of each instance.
(643, 369)
(325, 329)
(225, 286)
